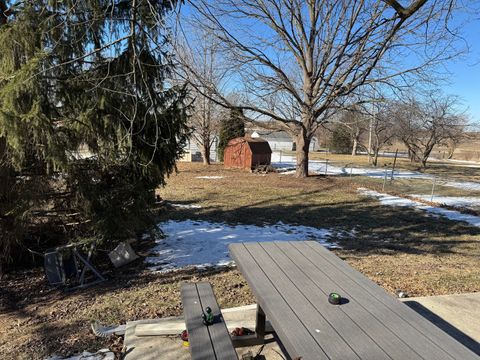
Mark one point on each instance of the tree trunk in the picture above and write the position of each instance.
(302, 142)
(206, 154)
(356, 138)
(425, 157)
(451, 150)
(354, 147)
(424, 163)
(426, 154)
(375, 157)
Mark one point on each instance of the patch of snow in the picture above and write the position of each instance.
(209, 177)
(456, 201)
(186, 206)
(288, 172)
(345, 234)
(389, 154)
(203, 244)
(392, 200)
(464, 185)
(103, 354)
(287, 162)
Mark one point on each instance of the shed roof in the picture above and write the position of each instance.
(256, 145)
(259, 146)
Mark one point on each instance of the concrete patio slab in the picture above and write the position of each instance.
(171, 347)
(458, 315)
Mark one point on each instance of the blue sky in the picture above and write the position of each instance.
(463, 78)
(465, 72)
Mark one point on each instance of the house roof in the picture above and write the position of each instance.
(274, 135)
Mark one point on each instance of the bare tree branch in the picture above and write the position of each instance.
(295, 63)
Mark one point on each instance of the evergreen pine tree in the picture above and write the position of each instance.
(340, 140)
(230, 128)
(91, 74)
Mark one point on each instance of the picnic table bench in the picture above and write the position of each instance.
(205, 342)
(292, 281)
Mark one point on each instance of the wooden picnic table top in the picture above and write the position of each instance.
(292, 281)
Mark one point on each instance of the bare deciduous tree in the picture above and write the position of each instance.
(383, 130)
(199, 58)
(297, 61)
(422, 125)
(357, 123)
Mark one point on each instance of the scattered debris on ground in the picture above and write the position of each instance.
(103, 354)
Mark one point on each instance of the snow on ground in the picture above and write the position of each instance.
(286, 164)
(202, 243)
(391, 200)
(185, 206)
(103, 354)
(209, 177)
(464, 185)
(457, 201)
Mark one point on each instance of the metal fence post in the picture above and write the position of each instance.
(433, 187)
(326, 166)
(394, 163)
(385, 178)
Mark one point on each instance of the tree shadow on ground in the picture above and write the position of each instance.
(59, 320)
(451, 330)
(377, 229)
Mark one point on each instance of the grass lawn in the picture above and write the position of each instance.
(398, 248)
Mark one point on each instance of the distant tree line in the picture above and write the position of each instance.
(420, 124)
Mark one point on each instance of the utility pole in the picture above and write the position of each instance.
(370, 129)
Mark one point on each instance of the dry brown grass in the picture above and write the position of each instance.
(397, 248)
(37, 321)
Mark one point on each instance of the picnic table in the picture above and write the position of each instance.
(292, 281)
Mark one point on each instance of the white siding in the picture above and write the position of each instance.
(193, 148)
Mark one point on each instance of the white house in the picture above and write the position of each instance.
(281, 140)
(194, 153)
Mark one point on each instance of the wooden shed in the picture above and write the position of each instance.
(247, 153)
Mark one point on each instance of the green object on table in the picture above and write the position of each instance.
(207, 316)
(334, 298)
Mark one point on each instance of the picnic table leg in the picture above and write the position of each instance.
(260, 323)
(255, 339)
